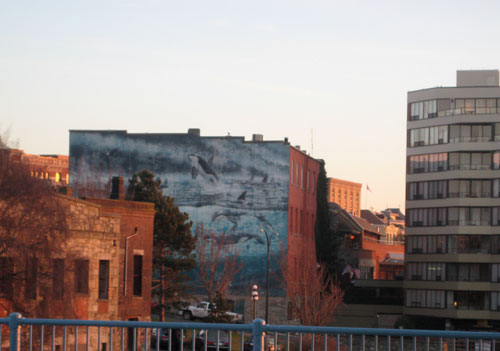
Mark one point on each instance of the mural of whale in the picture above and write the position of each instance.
(201, 167)
(231, 216)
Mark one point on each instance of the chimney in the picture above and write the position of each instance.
(117, 189)
(194, 131)
(66, 190)
(257, 137)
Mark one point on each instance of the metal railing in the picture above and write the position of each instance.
(43, 334)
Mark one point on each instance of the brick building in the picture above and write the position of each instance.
(245, 189)
(91, 277)
(136, 249)
(53, 168)
(365, 247)
(346, 194)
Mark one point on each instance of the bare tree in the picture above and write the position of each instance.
(313, 296)
(218, 262)
(33, 226)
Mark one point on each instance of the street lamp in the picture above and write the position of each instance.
(268, 241)
(255, 298)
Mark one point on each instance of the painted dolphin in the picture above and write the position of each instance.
(202, 167)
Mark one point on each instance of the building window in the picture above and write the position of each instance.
(302, 177)
(31, 278)
(466, 133)
(314, 180)
(495, 301)
(6, 276)
(428, 163)
(58, 177)
(428, 190)
(103, 279)
(366, 272)
(426, 217)
(307, 181)
(496, 187)
(423, 110)
(137, 275)
(297, 174)
(465, 216)
(296, 220)
(495, 216)
(470, 161)
(58, 278)
(425, 298)
(496, 160)
(470, 188)
(428, 136)
(291, 174)
(82, 276)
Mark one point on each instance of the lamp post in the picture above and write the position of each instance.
(268, 241)
(255, 298)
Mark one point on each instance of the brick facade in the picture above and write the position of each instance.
(54, 168)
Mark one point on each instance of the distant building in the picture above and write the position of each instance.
(452, 202)
(346, 194)
(229, 185)
(365, 247)
(373, 271)
(390, 225)
(53, 168)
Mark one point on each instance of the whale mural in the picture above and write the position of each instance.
(225, 183)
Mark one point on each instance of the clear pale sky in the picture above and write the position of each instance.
(324, 73)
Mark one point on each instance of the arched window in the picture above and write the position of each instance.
(58, 177)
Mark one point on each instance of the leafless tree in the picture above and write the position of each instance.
(33, 226)
(218, 262)
(313, 297)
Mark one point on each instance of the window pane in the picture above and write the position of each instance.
(103, 279)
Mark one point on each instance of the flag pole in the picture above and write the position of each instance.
(366, 196)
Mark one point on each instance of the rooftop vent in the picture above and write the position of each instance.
(257, 137)
(194, 131)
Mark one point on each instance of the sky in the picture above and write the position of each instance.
(332, 76)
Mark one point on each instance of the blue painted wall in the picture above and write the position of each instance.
(229, 185)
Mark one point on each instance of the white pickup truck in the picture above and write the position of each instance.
(202, 310)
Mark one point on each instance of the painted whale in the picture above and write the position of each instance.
(201, 167)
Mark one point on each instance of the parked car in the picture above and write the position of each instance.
(212, 340)
(268, 343)
(164, 338)
(202, 311)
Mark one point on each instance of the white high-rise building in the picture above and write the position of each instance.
(452, 201)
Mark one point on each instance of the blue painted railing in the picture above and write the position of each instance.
(63, 334)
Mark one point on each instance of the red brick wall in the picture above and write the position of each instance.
(303, 180)
(379, 251)
(133, 215)
(44, 167)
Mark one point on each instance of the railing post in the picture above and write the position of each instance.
(258, 335)
(14, 330)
